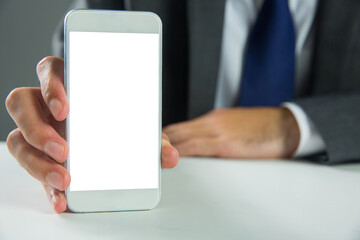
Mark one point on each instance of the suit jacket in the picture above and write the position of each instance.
(191, 53)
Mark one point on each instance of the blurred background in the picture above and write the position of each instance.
(26, 28)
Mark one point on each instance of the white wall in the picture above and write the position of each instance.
(26, 28)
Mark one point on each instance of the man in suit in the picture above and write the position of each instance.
(204, 56)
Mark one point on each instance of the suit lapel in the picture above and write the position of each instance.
(205, 25)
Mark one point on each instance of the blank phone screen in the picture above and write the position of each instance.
(113, 125)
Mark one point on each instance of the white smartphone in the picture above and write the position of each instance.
(113, 81)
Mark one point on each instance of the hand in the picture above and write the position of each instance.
(238, 133)
(38, 143)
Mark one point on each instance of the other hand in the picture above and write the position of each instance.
(38, 143)
(238, 133)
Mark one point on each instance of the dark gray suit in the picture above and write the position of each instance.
(192, 39)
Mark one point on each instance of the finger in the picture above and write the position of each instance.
(199, 147)
(25, 107)
(36, 163)
(57, 198)
(184, 131)
(169, 155)
(50, 71)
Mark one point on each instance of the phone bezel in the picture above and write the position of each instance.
(126, 22)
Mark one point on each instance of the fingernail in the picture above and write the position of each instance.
(54, 150)
(55, 106)
(54, 179)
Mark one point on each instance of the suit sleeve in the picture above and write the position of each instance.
(311, 142)
(337, 118)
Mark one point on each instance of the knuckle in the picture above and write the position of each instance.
(18, 98)
(13, 135)
(211, 120)
(216, 117)
(168, 128)
(216, 111)
(44, 63)
(48, 64)
(12, 138)
(13, 98)
(214, 114)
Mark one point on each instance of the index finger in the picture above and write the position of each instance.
(50, 71)
(183, 131)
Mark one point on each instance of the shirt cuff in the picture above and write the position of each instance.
(311, 141)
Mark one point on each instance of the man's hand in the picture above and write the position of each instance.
(38, 143)
(238, 133)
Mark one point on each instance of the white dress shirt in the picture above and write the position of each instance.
(240, 16)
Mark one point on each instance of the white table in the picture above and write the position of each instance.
(201, 199)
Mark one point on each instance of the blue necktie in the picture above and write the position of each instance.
(268, 74)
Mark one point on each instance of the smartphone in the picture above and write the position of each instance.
(113, 81)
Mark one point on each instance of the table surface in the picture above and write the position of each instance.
(202, 198)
